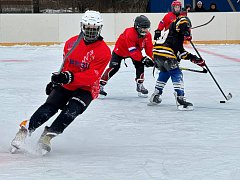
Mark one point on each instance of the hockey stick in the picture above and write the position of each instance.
(186, 69)
(80, 36)
(231, 5)
(204, 23)
(194, 70)
(229, 96)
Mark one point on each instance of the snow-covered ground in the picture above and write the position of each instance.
(120, 137)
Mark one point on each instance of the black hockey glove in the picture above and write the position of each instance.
(62, 78)
(196, 60)
(187, 35)
(148, 62)
(50, 86)
(157, 34)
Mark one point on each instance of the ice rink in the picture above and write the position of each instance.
(120, 137)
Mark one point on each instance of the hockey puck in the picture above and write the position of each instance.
(222, 101)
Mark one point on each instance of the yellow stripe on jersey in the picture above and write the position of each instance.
(163, 47)
(183, 55)
(182, 21)
(163, 51)
(165, 55)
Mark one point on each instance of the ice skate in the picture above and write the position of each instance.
(155, 99)
(142, 91)
(182, 104)
(44, 141)
(102, 92)
(20, 137)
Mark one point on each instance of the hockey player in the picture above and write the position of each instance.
(73, 89)
(166, 58)
(164, 24)
(130, 44)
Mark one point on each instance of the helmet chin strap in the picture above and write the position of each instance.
(90, 40)
(143, 34)
(140, 33)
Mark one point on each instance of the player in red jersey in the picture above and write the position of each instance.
(164, 24)
(72, 89)
(130, 44)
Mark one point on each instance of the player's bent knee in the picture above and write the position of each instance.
(77, 105)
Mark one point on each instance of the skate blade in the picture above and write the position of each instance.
(101, 96)
(142, 95)
(103, 93)
(15, 146)
(44, 152)
(153, 104)
(13, 149)
(182, 108)
(44, 149)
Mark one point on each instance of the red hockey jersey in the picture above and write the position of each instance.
(130, 45)
(87, 63)
(168, 19)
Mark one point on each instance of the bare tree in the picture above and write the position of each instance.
(36, 6)
(59, 6)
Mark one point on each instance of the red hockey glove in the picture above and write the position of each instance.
(62, 78)
(198, 61)
(188, 38)
(148, 62)
(187, 35)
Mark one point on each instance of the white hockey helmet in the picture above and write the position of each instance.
(91, 25)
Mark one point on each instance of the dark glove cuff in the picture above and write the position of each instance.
(192, 57)
(157, 34)
(50, 86)
(158, 31)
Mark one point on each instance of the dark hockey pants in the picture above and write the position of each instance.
(72, 103)
(115, 65)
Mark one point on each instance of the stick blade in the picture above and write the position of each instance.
(229, 96)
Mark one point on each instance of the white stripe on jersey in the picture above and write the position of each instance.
(132, 49)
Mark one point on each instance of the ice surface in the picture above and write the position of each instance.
(120, 137)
